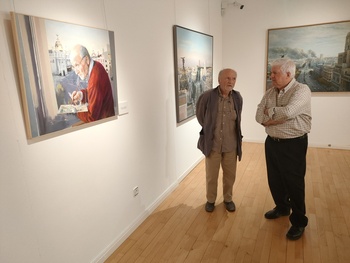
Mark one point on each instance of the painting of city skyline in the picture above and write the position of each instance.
(49, 76)
(193, 53)
(321, 53)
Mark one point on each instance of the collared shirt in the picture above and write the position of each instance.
(292, 105)
(225, 138)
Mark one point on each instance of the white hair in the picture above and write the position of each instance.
(286, 65)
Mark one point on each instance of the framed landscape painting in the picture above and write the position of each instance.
(193, 53)
(56, 61)
(321, 53)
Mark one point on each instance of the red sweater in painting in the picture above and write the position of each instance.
(98, 95)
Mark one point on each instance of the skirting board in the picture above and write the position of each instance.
(190, 169)
(313, 145)
(105, 254)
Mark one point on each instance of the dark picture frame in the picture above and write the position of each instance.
(321, 53)
(193, 52)
(47, 76)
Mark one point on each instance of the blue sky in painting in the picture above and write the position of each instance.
(70, 35)
(195, 47)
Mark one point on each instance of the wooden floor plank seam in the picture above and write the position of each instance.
(179, 229)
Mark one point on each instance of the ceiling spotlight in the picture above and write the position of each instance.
(226, 3)
(237, 4)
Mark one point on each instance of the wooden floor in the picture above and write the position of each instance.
(180, 230)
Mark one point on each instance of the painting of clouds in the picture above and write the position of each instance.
(321, 53)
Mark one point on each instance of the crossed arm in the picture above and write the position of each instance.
(270, 122)
(265, 112)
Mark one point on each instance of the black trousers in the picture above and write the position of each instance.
(286, 167)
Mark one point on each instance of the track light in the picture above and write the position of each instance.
(237, 4)
(226, 3)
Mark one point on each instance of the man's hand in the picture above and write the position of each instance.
(272, 122)
(77, 96)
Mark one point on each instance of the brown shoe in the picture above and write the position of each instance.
(230, 206)
(209, 207)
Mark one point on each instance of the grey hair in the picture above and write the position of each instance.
(286, 65)
(81, 50)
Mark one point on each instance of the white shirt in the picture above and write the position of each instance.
(292, 105)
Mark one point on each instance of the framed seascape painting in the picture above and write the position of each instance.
(321, 53)
(193, 53)
(67, 74)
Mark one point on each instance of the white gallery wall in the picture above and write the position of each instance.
(69, 198)
(245, 46)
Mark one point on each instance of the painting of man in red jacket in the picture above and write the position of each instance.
(98, 93)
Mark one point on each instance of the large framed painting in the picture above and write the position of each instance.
(193, 69)
(67, 74)
(321, 53)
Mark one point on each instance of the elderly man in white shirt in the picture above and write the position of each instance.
(285, 112)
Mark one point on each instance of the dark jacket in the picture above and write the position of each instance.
(206, 112)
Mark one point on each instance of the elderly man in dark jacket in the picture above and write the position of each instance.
(219, 113)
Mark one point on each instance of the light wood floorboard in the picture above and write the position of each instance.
(180, 230)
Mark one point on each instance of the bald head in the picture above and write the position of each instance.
(227, 80)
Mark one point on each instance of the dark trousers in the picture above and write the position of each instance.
(286, 167)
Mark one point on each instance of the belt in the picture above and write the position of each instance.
(288, 140)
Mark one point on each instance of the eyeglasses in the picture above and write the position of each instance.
(78, 64)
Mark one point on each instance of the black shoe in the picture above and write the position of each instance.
(295, 232)
(230, 206)
(274, 213)
(209, 207)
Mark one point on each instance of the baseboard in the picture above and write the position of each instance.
(181, 177)
(314, 145)
(105, 254)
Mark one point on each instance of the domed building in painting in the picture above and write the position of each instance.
(59, 59)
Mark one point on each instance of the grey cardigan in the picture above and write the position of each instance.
(206, 112)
